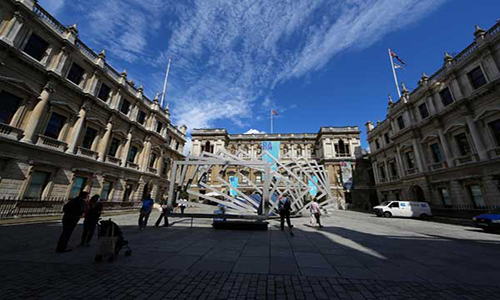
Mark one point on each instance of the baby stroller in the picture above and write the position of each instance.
(112, 241)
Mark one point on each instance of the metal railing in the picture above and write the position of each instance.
(15, 207)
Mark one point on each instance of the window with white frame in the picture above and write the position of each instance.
(125, 107)
(342, 149)
(410, 160)
(89, 138)
(79, 184)
(114, 146)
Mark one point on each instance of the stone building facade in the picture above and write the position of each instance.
(441, 142)
(69, 122)
(332, 147)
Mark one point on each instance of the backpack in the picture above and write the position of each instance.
(284, 204)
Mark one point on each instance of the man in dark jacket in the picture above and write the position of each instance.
(73, 210)
(284, 208)
(163, 214)
(91, 218)
(147, 207)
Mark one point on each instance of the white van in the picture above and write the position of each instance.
(406, 209)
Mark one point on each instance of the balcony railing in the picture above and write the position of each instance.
(411, 171)
(46, 141)
(10, 132)
(152, 170)
(45, 16)
(465, 159)
(132, 165)
(438, 166)
(113, 160)
(87, 152)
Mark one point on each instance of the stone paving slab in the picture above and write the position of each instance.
(356, 256)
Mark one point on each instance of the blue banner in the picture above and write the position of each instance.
(274, 149)
(233, 180)
(313, 189)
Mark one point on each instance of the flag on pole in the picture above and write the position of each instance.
(396, 66)
(397, 57)
(273, 112)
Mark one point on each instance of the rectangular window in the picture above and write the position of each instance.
(382, 172)
(445, 196)
(107, 186)
(38, 182)
(55, 125)
(436, 153)
(165, 168)
(78, 185)
(75, 74)
(424, 113)
(463, 144)
(104, 92)
(495, 130)
(125, 107)
(401, 122)
(8, 106)
(115, 144)
(410, 160)
(141, 117)
(387, 138)
(132, 154)
(377, 144)
(393, 169)
(36, 47)
(89, 137)
(152, 160)
(128, 191)
(159, 127)
(477, 78)
(476, 195)
(446, 97)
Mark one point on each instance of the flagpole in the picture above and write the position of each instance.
(394, 73)
(165, 84)
(271, 121)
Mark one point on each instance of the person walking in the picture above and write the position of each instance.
(315, 213)
(183, 206)
(73, 210)
(163, 214)
(147, 206)
(284, 208)
(91, 218)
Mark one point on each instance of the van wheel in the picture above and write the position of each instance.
(424, 217)
(387, 214)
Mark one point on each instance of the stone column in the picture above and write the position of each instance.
(15, 27)
(446, 148)
(399, 162)
(160, 165)
(146, 154)
(103, 145)
(36, 115)
(418, 156)
(430, 105)
(375, 173)
(126, 149)
(63, 56)
(476, 138)
(456, 90)
(78, 128)
(387, 171)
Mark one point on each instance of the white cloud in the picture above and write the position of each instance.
(228, 55)
(52, 6)
(254, 131)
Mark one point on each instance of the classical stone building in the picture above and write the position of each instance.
(332, 147)
(69, 122)
(441, 142)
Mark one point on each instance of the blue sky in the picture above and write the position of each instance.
(316, 62)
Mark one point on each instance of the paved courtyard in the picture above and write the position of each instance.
(355, 256)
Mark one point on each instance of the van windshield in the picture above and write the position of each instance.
(385, 203)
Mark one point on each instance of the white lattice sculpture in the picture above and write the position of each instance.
(293, 177)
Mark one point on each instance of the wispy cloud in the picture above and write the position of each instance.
(53, 6)
(229, 55)
(254, 131)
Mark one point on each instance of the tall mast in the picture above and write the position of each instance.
(394, 73)
(165, 85)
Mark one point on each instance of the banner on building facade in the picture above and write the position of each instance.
(233, 180)
(274, 149)
(313, 190)
(346, 171)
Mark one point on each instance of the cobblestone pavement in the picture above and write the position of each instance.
(356, 256)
